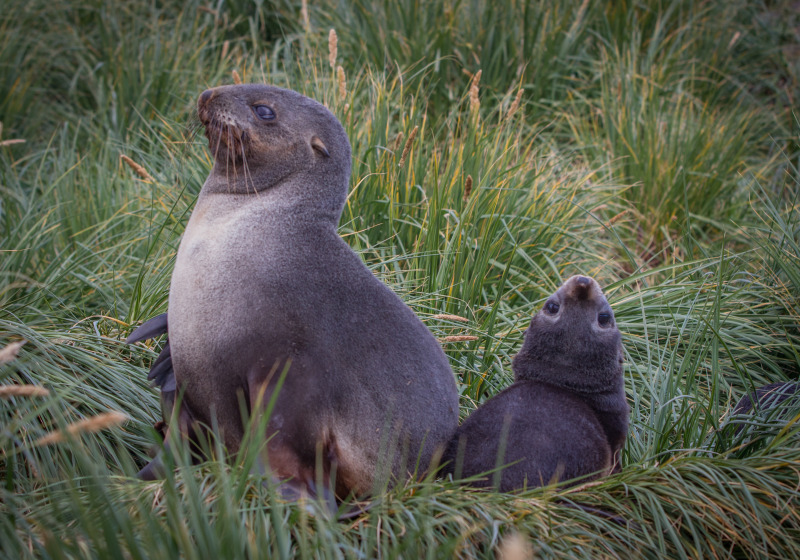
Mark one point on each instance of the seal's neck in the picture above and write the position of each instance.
(299, 193)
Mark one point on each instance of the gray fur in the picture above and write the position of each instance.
(565, 415)
(262, 280)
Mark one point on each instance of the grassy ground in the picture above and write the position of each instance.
(499, 147)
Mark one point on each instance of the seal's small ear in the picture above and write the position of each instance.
(319, 145)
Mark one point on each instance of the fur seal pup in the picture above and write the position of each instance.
(565, 415)
(263, 282)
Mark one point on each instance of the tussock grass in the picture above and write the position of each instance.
(498, 148)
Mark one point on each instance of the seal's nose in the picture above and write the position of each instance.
(205, 97)
(581, 287)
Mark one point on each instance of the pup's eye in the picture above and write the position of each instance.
(551, 307)
(264, 113)
(604, 319)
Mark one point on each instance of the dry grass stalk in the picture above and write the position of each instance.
(138, 169)
(304, 15)
(734, 39)
(467, 187)
(514, 105)
(237, 79)
(87, 425)
(225, 46)
(12, 141)
(446, 317)
(332, 48)
(407, 147)
(474, 101)
(342, 82)
(515, 547)
(11, 352)
(9, 391)
(458, 338)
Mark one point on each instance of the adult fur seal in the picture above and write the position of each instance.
(565, 415)
(263, 282)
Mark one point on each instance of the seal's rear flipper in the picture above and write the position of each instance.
(189, 430)
(154, 470)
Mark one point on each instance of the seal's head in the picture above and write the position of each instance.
(573, 341)
(260, 135)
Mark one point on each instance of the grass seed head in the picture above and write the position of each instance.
(10, 352)
(237, 79)
(138, 169)
(446, 317)
(9, 391)
(407, 147)
(332, 48)
(467, 187)
(342, 82)
(458, 338)
(474, 100)
(514, 105)
(87, 425)
(515, 547)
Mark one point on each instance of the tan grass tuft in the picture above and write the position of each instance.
(9, 391)
(515, 547)
(446, 317)
(514, 105)
(138, 169)
(407, 147)
(237, 79)
(332, 48)
(467, 187)
(11, 352)
(474, 100)
(304, 15)
(342, 82)
(458, 338)
(87, 426)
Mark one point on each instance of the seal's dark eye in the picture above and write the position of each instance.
(264, 113)
(604, 319)
(551, 307)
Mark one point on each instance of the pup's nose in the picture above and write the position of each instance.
(581, 287)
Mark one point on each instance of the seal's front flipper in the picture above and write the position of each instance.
(149, 329)
(162, 376)
(161, 372)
